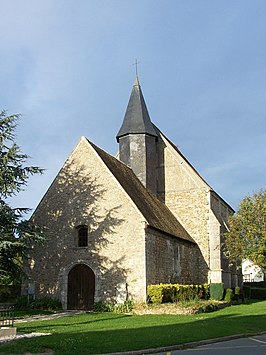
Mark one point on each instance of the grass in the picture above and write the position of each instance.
(99, 333)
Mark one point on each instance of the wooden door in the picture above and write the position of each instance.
(81, 287)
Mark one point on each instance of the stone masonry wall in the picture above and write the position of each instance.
(201, 211)
(170, 260)
(186, 194)
(231, 277)
(86, 193)
(138, 152)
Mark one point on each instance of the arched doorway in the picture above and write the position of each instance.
(81, 287)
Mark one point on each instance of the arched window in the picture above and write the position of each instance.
(82, 236)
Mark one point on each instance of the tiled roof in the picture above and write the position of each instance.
(156, 213)
(137, 119)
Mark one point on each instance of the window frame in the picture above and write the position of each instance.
(82, 236)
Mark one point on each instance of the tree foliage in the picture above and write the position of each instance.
(246, 238)
(16, 234)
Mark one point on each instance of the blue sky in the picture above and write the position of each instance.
(66, 66)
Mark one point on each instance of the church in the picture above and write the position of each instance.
(116, 224)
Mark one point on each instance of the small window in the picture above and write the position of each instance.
(83, 236)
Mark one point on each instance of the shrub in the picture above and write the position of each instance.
(186, 293)
(229, 295)
(205, 290)
(22, 302)
(164, 293)
(255, 290)
(169, 293)
(46, 303)
(155, 293)
(261, 284)
(237, 291)
(216, 291)
(247, 291)
(102, 307)
(125, 307)
(258, 293)
(5, 293)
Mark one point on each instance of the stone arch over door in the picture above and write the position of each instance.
(80, 287)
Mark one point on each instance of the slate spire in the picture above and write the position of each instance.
(137, 140)
(136, 119)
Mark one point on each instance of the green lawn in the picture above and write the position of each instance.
(106, 332)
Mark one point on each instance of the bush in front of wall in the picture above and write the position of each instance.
(258, 293)
(155, 293)
(237, 291)
(186, 293)
(125, 307)
(5, 293)
(216, 291)
(46, 303)
(164, 293)
(247, 291)
(100, 307)
(229, 295)
(169, 293)
(22, 302)
(191, 292)
(238, 294)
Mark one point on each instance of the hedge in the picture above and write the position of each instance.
(229, 295)
(164, 293)
(258, 293)
(9, 292)
(216, 291)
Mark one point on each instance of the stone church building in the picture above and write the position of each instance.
(117, 224)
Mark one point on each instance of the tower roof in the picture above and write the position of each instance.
(137, 119)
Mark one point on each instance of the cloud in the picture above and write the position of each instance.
(67, 67)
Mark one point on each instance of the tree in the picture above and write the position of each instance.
(246, 238)
(16, 234)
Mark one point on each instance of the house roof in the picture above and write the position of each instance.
(136, 119)
(156, 213)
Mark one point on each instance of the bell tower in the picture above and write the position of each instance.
(137, 140)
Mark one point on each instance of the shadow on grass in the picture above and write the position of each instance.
(64, 322)
(124, 333)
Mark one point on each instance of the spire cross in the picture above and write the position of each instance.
(136, 64)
